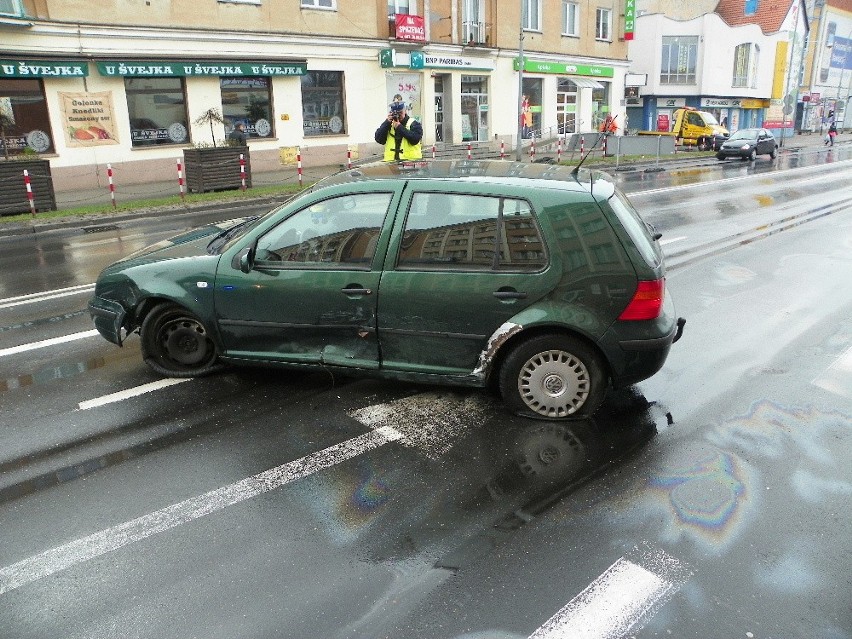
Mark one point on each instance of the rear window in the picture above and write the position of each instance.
(636, 228)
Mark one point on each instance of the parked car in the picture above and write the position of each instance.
(747, 144)
(541, 281)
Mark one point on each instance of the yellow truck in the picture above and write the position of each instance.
(692, 127)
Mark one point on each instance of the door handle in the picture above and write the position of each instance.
(510, 295)
(356, 291)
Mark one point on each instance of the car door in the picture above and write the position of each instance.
(310, 296)
(765, 142)
(463, 264)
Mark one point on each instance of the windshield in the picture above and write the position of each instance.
(744, 134)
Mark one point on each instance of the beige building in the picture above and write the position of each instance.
(125, 82)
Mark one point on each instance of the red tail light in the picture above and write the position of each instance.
(647, 301)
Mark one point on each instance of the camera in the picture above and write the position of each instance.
(396, 109)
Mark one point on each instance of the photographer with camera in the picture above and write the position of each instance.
(400, 134)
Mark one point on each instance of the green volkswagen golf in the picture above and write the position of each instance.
(537, 280)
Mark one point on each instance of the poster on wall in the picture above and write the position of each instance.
(87, 119)
(408, 85)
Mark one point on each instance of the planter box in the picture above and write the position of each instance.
(13, 190)
(216, 168)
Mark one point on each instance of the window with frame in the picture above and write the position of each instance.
(323, 103)
(742, 54)
(570, 18)
(157, 110)
(401, 6)
(532, 15)
(12, 8)
(679, 57)
(340, 232)
(457, 232)
(603, 24)
(472, 21)
(319, 4)
(247, 100)
(26, 119)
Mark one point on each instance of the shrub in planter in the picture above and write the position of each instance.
(217, 167)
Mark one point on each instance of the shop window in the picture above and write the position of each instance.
(247, 100)
(157, 110)
(26, 124)
(323, 111)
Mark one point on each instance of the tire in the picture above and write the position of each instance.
(553, 377)
(703, 144)
(720, 156)
(774, 153)
(176, 344)
(753, 155)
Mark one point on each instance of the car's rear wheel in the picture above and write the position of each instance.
(774, 153)
(176, 344)
(553, 377)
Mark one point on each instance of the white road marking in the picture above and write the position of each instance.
(671, 240)
(616, 601)
(33, 298)
(47, 342)
(81, 550)
(131, 392)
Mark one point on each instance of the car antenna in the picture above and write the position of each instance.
(603, 133)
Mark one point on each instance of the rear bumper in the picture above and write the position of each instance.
(108, 317)
(639, 359)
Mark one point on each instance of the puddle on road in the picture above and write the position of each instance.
(52, 373)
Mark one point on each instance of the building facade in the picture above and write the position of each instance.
(126, 82)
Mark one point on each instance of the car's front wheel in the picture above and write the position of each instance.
(176, 344)
(752, 156)
(553, 377)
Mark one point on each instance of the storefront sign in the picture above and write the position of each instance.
(629, 18)
(410, 27)
(87, 119)
(449, 62)
(190, 69)
(721, 102)
(565, 69)
(670, 103)
(42, 69)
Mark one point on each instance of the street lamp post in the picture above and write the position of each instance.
(520, 81)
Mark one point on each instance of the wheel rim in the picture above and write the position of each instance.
(184, 341)
(554, 383)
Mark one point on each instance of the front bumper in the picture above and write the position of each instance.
(108, 317)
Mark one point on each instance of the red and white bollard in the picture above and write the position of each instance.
(348, 159)
(604, 146)
(180, 181)
(111, 185)
(30, 195)
(559, 151)
(532, 150)
(582, 145)
(502, 150)
(242, 172)
(434, 151)
(468, 150)
(299, 164)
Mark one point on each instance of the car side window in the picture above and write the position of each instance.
(337, 232)
(448, 231)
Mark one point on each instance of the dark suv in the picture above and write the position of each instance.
(541, 280)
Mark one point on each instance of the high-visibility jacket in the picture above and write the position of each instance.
(407, 150)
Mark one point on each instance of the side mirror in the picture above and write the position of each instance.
(244, 260)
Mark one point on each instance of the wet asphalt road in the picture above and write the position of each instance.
(710, 501)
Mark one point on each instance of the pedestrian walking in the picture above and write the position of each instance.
(832, 133)
(239, 135)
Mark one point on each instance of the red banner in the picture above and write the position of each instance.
(410, 27)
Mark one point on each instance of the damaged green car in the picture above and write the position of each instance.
(541, 281)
